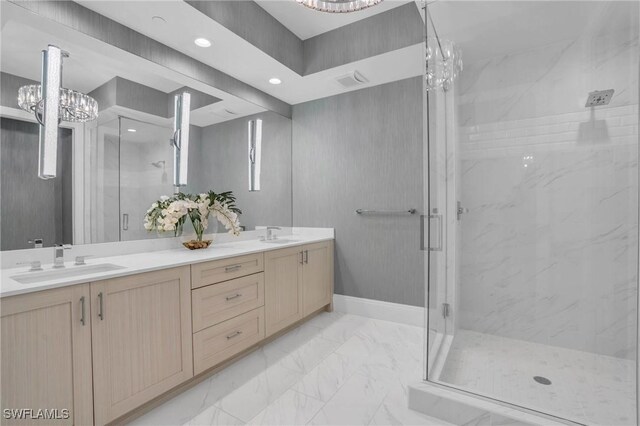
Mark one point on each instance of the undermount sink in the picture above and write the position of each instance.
(71, 271)
(280, 241)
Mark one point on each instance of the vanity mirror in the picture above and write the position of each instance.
(109, 170)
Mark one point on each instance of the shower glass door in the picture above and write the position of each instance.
(533, 204)
(146, 173)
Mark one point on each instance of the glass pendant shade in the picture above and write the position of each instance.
(49, 116)
(444, 63)
(338, 6)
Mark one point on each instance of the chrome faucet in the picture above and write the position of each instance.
(35, 265)
(58, 255)
(270, 234)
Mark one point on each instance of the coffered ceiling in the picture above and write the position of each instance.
(310, 64)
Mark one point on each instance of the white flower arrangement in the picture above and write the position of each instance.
(170, 213)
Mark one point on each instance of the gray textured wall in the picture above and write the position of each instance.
(223, 166)
(384, 32)
(363, 149)
(9, 85)
(32, 207)
(129, 94)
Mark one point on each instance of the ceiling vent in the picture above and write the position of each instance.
(352, 80)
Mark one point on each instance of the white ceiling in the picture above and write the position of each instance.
(93, 63)
(235, 56)
(307, 23)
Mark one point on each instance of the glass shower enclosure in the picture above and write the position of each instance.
(131, 165)
(533, 204)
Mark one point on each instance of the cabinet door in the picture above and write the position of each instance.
(141, 339)
(317, 276)
(46, 355)
(282, 288)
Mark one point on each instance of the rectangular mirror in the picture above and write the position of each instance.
(110, 170)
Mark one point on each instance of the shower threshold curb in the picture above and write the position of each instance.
(460, 408)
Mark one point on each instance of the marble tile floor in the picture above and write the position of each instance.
(586, 388)
(335, 369)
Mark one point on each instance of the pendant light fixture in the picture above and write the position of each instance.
(180, 141)
(338, 6)
(255, 154)
(51, 103)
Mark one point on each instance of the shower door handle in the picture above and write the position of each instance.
(125, 221)
(437, 218)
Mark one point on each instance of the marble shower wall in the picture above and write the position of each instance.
(549, 245)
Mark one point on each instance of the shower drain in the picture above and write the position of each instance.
(542, 380)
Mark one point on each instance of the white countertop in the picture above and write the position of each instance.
(151, 261)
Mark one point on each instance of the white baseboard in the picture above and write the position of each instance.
(376, 309)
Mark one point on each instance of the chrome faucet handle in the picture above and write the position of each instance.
(80, 259)
(35, 265)
(270, 234)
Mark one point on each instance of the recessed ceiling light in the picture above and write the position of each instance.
(158, 20)
(202, 42)
(275, 80)
(131, 130)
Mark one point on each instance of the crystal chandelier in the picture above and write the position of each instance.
(51, 103)
(338, 6)
(74, 106)
(444, 63)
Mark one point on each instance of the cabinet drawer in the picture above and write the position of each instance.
(225, 269)
(216, 344)
(219, 302)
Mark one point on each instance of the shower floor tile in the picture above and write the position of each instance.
(585, 387)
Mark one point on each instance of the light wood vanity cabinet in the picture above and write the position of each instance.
(221, 342)
(317, 276)
(208, 273)
(216, 303)
(298, 282)
(283, 288)
(227, 308)
(103, 349)
(46, 354)
(141, 333)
